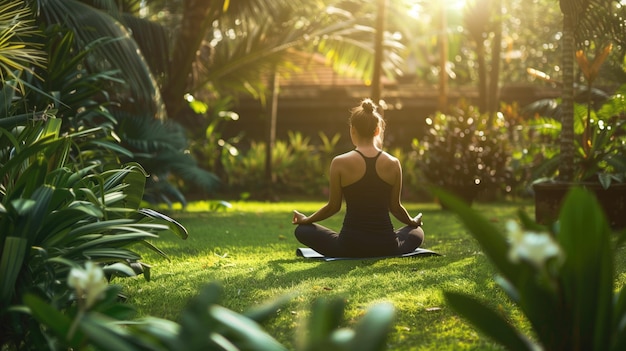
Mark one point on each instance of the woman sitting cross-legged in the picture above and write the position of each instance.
(370, 180)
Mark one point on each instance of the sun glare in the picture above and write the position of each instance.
(456, 4)
(417, 9)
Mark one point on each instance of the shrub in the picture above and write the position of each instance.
(56, 214)
(299, 167)
(465, 150)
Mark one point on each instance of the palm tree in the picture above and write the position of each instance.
(571, 10)
(590, 20)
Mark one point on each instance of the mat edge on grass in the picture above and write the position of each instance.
(306, 252)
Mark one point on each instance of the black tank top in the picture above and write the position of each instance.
(367, 228)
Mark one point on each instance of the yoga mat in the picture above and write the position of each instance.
(310, 253)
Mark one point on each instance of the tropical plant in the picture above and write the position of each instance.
(84, 70)
(55, 212)
(551, 274)
(98, 320)
(64, 197)
(600, 143)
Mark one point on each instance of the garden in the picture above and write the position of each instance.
(130, 221)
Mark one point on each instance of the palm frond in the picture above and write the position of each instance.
(264, 45)
(161, 148)
(153, 40)
(145, 135)
(18, 51)
(89, 25)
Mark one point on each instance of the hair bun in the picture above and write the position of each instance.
(368, 105)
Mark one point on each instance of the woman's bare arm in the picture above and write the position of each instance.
(335, 198)
(395, 205)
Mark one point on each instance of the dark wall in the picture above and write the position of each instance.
(327, 111)
(402, 125)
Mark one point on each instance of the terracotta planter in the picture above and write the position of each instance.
(549, 195)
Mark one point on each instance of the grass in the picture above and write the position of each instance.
(250, 251)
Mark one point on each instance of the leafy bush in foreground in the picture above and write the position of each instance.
(56, 214)
(561, 279)
(98, 320)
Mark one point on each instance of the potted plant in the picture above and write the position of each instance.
(464, 152)
(600, 168)
(599, 159)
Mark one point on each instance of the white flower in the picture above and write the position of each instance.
(89, 283)
(535, 248)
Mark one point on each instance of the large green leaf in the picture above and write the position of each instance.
(59, 225)
(98, 253)
(488, 322)
(619, 321)
(117, 268)
(326, 316)
(155, 249)
(29, 224)
(15, 162)
(492, 242)
(117, 240)
(587, 273)
(195, 322)
(105, 334)
(172, 224)
(97, 227)
(267, 310)
(249, 334)
(13, 253)
(115, 177)
(372, 330)
(150, 330)
(136, 181)
(51, 317)
(518, 280)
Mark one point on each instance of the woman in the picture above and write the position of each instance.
(371, 182)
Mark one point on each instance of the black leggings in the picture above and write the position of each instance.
(326, 241)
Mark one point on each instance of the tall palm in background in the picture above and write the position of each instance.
(135, 105)
(585, 22)
(483, 18)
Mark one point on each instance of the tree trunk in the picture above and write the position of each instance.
(566, 166)
(378, 51)
(493, 97)
(197, 17)
(482, 76)
(442, 102)
(271, 135)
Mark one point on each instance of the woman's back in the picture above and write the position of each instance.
(352, 166)
(367, 225)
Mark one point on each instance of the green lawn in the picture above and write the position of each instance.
(250, 251)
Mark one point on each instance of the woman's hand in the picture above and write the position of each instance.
(418, 220)
(298, 218)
